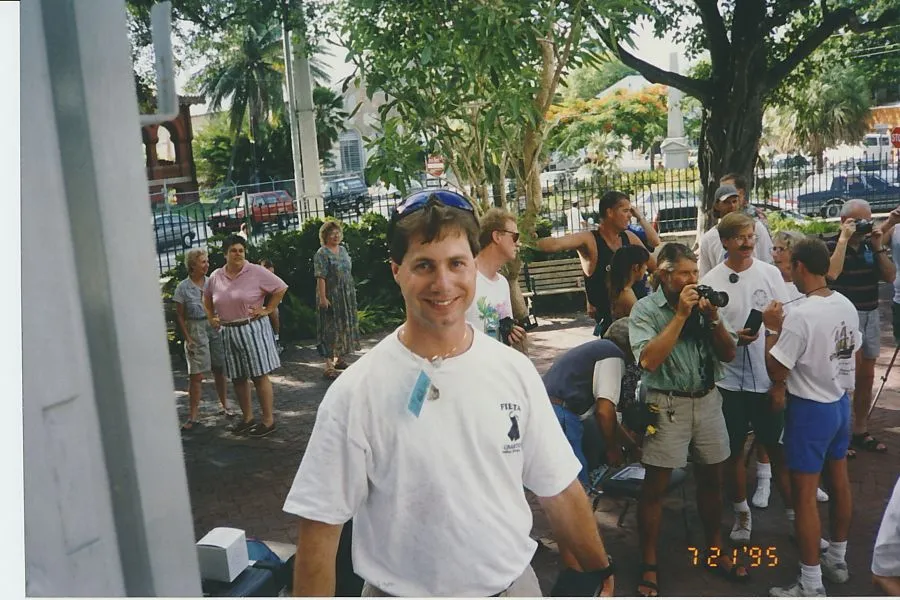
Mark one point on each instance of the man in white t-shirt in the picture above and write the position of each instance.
(751, 285)
(428, 441)
(886, 555)
(573, 216)
(499, 240)
(811, 361)
(711, 251)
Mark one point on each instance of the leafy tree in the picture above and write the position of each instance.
(584, 83)
(244, 72)
(753, 46)
(831, 109)
(330, 121)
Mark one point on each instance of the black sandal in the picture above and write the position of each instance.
(653, 585)
(728, 574)
(191, 425)
(865, 441)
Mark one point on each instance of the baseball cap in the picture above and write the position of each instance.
(725, 191)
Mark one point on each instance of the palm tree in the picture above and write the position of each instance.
(831, 109)
(330, 121)
(246, 71)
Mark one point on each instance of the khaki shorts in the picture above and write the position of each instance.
(870, 326)
(525, 586)
(208, 351)
(697, 426)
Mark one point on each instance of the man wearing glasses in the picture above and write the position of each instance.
(751, 285)
(428, 440)
(499, 240)
(712, 251)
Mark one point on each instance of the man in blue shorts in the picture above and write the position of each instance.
(811, 354)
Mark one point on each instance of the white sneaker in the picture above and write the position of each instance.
(743, 524)
(797, 591)
(823, 545)
(761, 495)
(821, 495)
(835, 572)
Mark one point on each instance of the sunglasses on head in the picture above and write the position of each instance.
(419, 200)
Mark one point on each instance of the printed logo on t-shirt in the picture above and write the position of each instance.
(760, 299)
(843, 342)
(490, 316)
(513, 411)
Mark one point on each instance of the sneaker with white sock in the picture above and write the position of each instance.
(743, 524)
(761, 495)
(821, 495)
(797, 591)
(833, 571)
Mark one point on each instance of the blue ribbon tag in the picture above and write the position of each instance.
(419, 392)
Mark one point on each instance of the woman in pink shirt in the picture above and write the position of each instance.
(234, 299)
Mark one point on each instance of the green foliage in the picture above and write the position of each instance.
(398, 155)
(813, 226)
(585, 82)
(292, 254)
(330, 119)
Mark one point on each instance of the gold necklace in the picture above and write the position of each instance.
(436, 361)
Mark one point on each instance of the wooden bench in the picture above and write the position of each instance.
(549, 277)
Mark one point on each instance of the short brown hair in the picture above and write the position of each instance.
(732, 224)
(495, 219)
(740, 182)
(671, 253)
(326, 229)
(788, 238)
(813, 253)
(433, 223)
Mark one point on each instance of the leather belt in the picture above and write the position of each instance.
(699, 394)
(239, 323)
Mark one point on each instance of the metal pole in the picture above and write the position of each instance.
(884, 380)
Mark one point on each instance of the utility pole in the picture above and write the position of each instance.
(299, 195)
(306, 116)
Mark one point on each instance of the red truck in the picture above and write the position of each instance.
(265, 208)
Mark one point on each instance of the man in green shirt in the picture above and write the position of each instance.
(680, 342)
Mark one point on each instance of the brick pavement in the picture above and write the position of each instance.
(242, 482)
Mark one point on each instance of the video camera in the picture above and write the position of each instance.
(507, 323)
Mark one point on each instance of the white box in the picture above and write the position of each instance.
(223, 554)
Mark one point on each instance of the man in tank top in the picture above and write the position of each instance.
(596, 248)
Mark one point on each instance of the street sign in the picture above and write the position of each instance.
(895, 137)
(434, 165)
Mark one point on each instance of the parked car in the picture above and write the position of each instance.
(275, 207)
(866, 186)
(670, 210)
(173, 230)
(346, 195)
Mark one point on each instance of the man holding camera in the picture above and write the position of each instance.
(751, 285)
(499, 239)
(858, 262)
(680, 342)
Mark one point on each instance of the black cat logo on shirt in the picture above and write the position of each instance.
(513, 412)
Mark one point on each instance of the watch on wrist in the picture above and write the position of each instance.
(714, 323)
(583, 584)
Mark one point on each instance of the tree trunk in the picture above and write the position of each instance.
(729, 141)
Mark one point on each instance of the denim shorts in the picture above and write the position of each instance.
(870, 327)
(815, 432)
(573, 429)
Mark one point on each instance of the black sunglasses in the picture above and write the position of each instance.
(514, 234)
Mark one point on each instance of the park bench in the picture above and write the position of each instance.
(549, 277)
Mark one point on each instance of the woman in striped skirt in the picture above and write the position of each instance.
(234, 300)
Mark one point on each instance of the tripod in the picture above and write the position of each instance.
(884, 379)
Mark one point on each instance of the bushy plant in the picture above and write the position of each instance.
(812, 226)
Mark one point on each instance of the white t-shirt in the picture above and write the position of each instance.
(755, 288)
(793, 294)
(437, 499)
(895, 252)
(490, 304)
(574, 219)
(818, 341)
(712, 252)
(886, 555)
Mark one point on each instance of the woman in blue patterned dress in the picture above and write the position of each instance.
(338, 328)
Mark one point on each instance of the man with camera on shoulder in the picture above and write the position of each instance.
(680, 342)
(492, 307)
(858, 262)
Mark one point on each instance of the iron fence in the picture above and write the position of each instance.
(669, 199)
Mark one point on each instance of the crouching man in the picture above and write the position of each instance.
(428, 441)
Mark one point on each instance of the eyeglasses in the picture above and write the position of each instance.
(745, 238)
(418, 200)
(779, 249)
(514, 234)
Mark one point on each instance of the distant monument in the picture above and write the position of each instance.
(675, 147)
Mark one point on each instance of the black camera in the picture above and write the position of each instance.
(715, 298)
(507, 324)
(864, 226)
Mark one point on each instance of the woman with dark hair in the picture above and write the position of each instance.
(628, 267)
(235, 301)
(338, 326)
